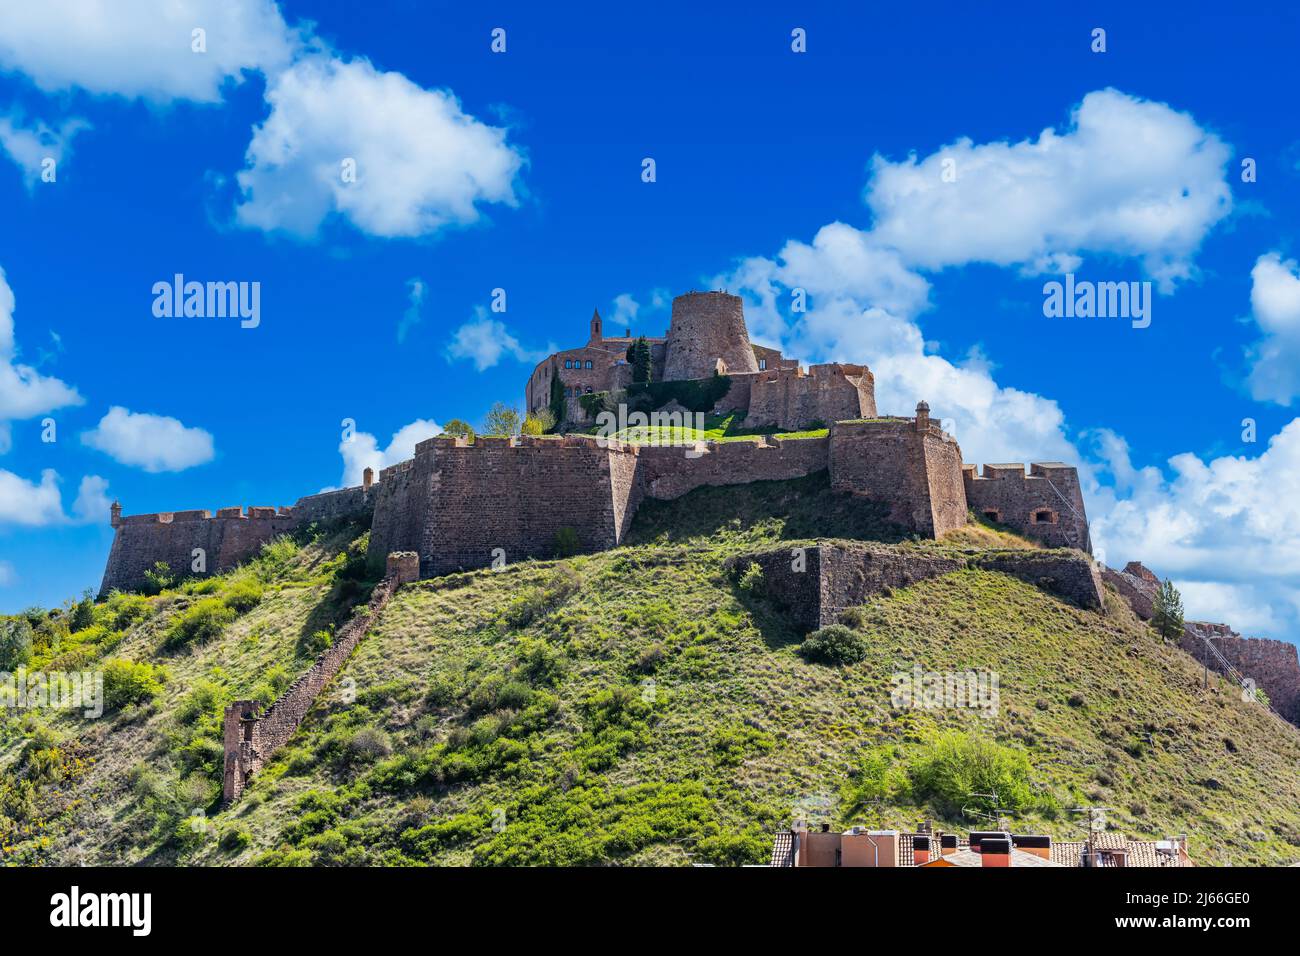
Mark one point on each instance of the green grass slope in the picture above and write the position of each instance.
(641, 706)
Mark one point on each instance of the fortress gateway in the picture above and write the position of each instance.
(459, 504)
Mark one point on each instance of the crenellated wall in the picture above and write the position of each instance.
(179, 538)
(461, 505)
(225, 539)
(1046, 505)
(909, 463)
(792, 398)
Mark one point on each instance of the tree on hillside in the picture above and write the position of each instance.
(639, 356)
(459, 429)
(558, 404)
(15, 643)
(502, 421)
(1168, 616)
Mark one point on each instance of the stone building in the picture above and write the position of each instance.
(707, 335)
(461, 504)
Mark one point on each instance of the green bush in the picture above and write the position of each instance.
(82, 614)
(957, 768)
(242, 595)
(751, 579)
(854, 617)
(235, 839)
(836, 645)
(699, 395)
(199, 623)
(205, 698)
(566, 543)
(317, 643)
(126, 683)
(123, 610)
(158, 578)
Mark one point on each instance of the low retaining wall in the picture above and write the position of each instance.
(816, 584)
(252, 736)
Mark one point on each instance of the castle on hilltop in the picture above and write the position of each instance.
(462, 504)
(707, 336)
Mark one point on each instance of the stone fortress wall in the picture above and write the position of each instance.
(1046, 505)
(462, 505)
(225, 539)
(1273, 665)
(252, 734)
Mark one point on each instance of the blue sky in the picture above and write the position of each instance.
(522, 170)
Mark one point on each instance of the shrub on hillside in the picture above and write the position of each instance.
(539, 600)
(835, 645)
(122, 610)
(959, 770)
(15, 643)
(317, 643)
(199, 623)
(242, 595)
(82, 614)
(126, 682)
(751, 579)
(158, 578)
(854, 617)
(566, 542)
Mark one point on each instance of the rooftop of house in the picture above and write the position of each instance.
(970, 858)
(1109, 849)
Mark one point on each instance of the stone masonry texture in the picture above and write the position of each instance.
(251, 737)
(815, 584)
(707, 327)
(226, 539)
(1273, 665)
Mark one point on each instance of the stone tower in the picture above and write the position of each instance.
(597, 333)
(707, 327)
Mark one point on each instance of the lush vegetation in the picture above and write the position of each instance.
(644, 705)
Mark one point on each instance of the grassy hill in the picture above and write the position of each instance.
(639, 706)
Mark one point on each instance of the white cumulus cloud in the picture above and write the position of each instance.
(1275, 303)
(152, 442)
(1226, 530)
(484, 341)
(420, 162)
(31, 145)
(1126, 176)
(363, 450)
(34, 504)
(143, 48)
(24, 392)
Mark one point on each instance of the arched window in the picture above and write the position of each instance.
(762, 365)
(588, 363)
(568, 363)
(588, 389)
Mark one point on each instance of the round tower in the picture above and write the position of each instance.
(707, 327)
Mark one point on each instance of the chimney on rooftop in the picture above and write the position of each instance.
(947, 843)
(920, 849)
(1039, 846)
(995, 851)
(115, 513)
